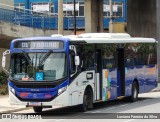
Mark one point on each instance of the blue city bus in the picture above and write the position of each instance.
(80, 70)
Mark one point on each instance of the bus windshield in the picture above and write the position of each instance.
(38, 66)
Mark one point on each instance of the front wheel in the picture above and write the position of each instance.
(87, 101)
(37, 109)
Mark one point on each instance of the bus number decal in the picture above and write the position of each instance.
(24, 45)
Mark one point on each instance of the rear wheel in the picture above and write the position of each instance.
(134, 95)
(37, 109)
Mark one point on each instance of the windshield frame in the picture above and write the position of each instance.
(42, 81)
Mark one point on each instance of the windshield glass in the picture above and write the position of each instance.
(38, 66)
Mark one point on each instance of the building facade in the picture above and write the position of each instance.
(50, 7)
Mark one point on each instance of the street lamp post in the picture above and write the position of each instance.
(111, 17)
(60, 17)
(74, 17)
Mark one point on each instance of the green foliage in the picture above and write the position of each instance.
(3, 89)
(3, 78)
(3, 83)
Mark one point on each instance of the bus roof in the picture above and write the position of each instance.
(108, 38)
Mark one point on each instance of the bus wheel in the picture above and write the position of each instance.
(37, 109)
(87, 101)
(134, 95)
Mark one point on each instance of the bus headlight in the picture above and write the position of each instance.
(12, 89)
(61, 90)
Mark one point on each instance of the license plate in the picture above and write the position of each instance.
(35, 104)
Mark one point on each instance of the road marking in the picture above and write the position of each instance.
(93, 112)
(111, 108)
(123, 105)
(59, 120)
(129, 120)
(97, 111)
(56, 120)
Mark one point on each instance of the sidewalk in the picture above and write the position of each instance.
(156, 89)
(5, 106)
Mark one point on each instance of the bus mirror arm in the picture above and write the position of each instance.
(77, 63)
(4, 60)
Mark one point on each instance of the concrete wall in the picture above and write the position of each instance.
(119, 27)
(6, 4)
(10, 31)
(93, 16)
(141, 18)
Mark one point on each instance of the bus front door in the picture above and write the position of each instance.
(120, 72)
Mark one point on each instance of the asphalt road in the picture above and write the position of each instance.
(148, 105)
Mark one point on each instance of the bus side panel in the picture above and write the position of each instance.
(78, 86)
(151, 67)
(129, 77)
(140, 70)
(109, 90)
(151, 77)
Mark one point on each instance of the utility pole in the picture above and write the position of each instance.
(75, 24)
(60, 17)
(111, 17)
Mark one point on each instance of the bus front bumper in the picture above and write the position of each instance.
(60, 101)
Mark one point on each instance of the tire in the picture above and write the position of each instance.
(37, 109)
(134, 95)
(87, 101)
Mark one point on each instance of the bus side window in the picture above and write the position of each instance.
(152, 54)
(72, 64)
(108, 55)
(88, 56)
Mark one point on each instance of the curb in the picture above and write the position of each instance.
(14, 110)
(156, 90)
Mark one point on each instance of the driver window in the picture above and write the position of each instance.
(72, 64)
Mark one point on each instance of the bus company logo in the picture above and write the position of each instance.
(6, 116)
(34, 95)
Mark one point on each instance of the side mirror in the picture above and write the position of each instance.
(77, 60)
(4, 61)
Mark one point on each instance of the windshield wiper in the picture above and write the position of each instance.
(26, 56)
(45, 57)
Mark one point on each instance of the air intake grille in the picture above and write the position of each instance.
(35, 86)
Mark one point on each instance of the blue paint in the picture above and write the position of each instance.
(112, 77)
(52, 22)
(118, 84)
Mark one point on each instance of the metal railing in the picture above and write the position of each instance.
(25, 17)
(29, 18)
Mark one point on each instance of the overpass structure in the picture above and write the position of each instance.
(143, 18)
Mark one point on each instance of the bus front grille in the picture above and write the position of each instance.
(35, 86)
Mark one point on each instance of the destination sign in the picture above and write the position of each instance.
(40, 45)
